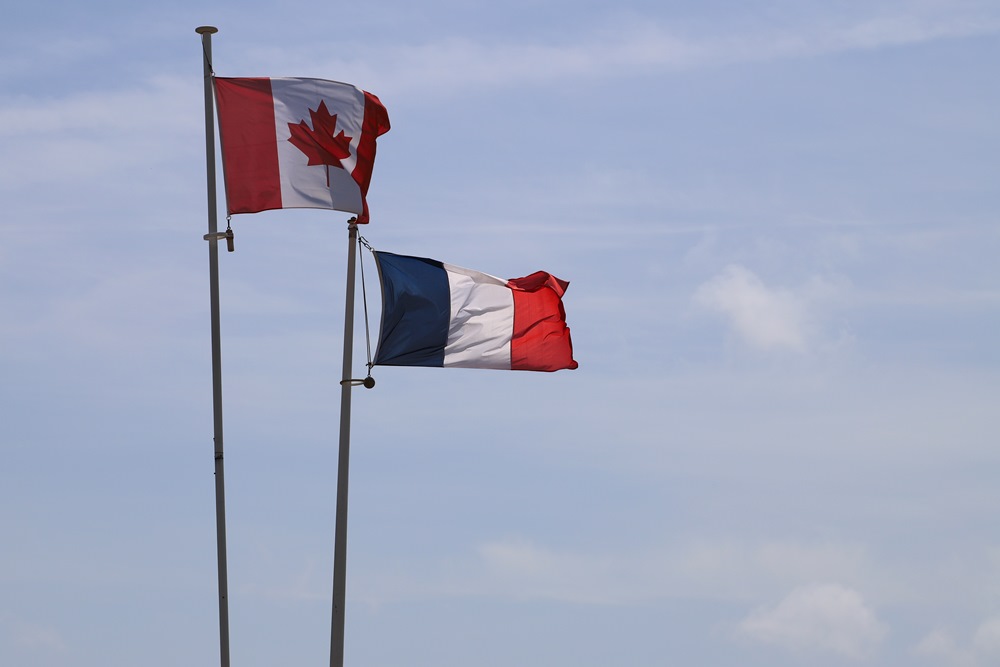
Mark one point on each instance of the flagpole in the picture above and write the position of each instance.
(213, 238)
(340, 531)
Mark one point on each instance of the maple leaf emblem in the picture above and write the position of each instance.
(319, 143)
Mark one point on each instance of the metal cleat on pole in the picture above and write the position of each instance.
(218, 236)
(367, 383)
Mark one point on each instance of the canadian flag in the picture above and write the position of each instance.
(297, 143)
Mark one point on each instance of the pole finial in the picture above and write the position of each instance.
(206, 30)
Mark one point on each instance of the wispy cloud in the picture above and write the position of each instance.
(941, 647)
(631, 44)
(521, 568)
(85, 137)
(32, 637)
(27, 55)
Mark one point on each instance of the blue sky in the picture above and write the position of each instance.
(779, 224)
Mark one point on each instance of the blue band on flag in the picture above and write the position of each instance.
(416, 311)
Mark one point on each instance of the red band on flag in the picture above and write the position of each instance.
(376, 123)
(540, 341)
(249, 147)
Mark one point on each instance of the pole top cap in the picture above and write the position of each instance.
(206, 30)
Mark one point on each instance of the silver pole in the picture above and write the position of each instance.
(340, 539)
(206, 33)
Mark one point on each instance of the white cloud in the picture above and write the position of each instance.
(824, 617)
(764, 317)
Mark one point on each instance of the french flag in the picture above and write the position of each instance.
(436, 314)
(297, 143)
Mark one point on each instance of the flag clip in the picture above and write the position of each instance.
(218, 236)
(367, 383)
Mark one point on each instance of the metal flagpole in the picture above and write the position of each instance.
(213, 237)
(340, 538)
